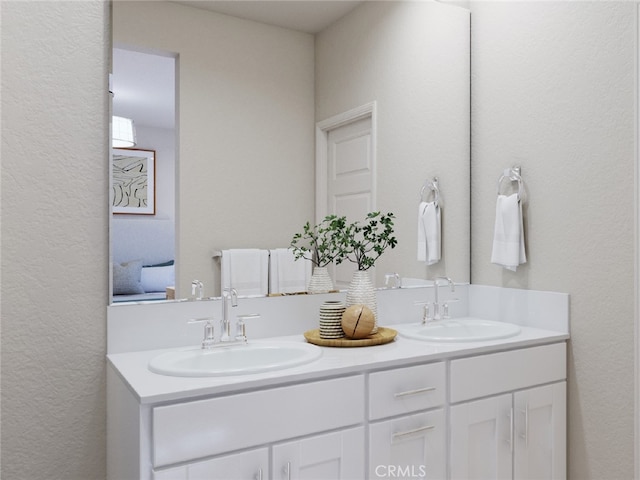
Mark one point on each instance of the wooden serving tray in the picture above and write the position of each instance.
(383, 335)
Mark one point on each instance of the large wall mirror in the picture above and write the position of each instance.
(238, 167)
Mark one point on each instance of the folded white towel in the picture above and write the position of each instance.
(429, 233)
(246, 270)
(286, 274)
(508, 239)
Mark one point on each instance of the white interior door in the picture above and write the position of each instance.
(346, 172)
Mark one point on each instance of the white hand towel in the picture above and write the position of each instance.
(286, 274)
(429, 233)
(508, 239)
(246, 270)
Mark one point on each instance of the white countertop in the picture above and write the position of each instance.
(151, 388)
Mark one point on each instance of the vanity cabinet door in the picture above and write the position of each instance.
(540, 433)
(520, 435)
(335, 456)
(409, 447)
(482, 439)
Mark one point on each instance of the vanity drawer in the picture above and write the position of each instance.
(187, 431)
(414, 443)
(484, 375)
(405, 390)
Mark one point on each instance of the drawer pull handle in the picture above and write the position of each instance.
(287, 470)
(414, 392)
(399, 435)
(259, 474)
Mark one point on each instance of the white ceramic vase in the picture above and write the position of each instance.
(320, 281)
(362, 292)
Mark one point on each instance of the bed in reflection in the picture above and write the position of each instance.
(143, 262)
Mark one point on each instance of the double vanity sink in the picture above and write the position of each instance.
(278, 406)
(266, 355)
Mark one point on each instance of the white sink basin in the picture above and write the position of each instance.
(234, 359)
(455, 330)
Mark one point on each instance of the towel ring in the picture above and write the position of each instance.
(432, 186)
(513, 175)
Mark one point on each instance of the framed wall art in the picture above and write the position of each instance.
(133, 181)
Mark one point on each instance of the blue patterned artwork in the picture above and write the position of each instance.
(133, 181)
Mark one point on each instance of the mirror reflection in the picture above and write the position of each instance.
(240, 170)
(143, 241)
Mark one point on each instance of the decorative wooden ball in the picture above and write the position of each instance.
(358, 321)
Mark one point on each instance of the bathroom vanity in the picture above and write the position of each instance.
(407, 409)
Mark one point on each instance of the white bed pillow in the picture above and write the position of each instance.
(126, 278)
(157, 279)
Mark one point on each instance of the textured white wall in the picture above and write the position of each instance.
(163, 141)
(246, 148)
(54, 238)
(413, 59)
(553, 90)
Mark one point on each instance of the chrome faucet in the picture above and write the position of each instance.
(229, 300)
(436, 304)
(197, 285)
(392, 280)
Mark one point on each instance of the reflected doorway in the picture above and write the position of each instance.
(346, 173)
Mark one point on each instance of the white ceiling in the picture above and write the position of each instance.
(144, 85)
(144, 88)
(310, 16)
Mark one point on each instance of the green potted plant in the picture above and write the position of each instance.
(363, 244)
(323, 244)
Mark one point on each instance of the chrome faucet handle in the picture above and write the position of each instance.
(201, 320)
(209, 338)
(241, 329)
(426, 310)
(445, 308)
(209, 334)
(426, 313)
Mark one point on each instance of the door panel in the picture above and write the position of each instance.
(481, 439)
(350, 179)
(338, 456)
(540, 432)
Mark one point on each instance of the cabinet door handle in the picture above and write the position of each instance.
(399, 435)
(526, 425)
(414, 392)
(258, 476)
(287, 469)
(511, 429)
